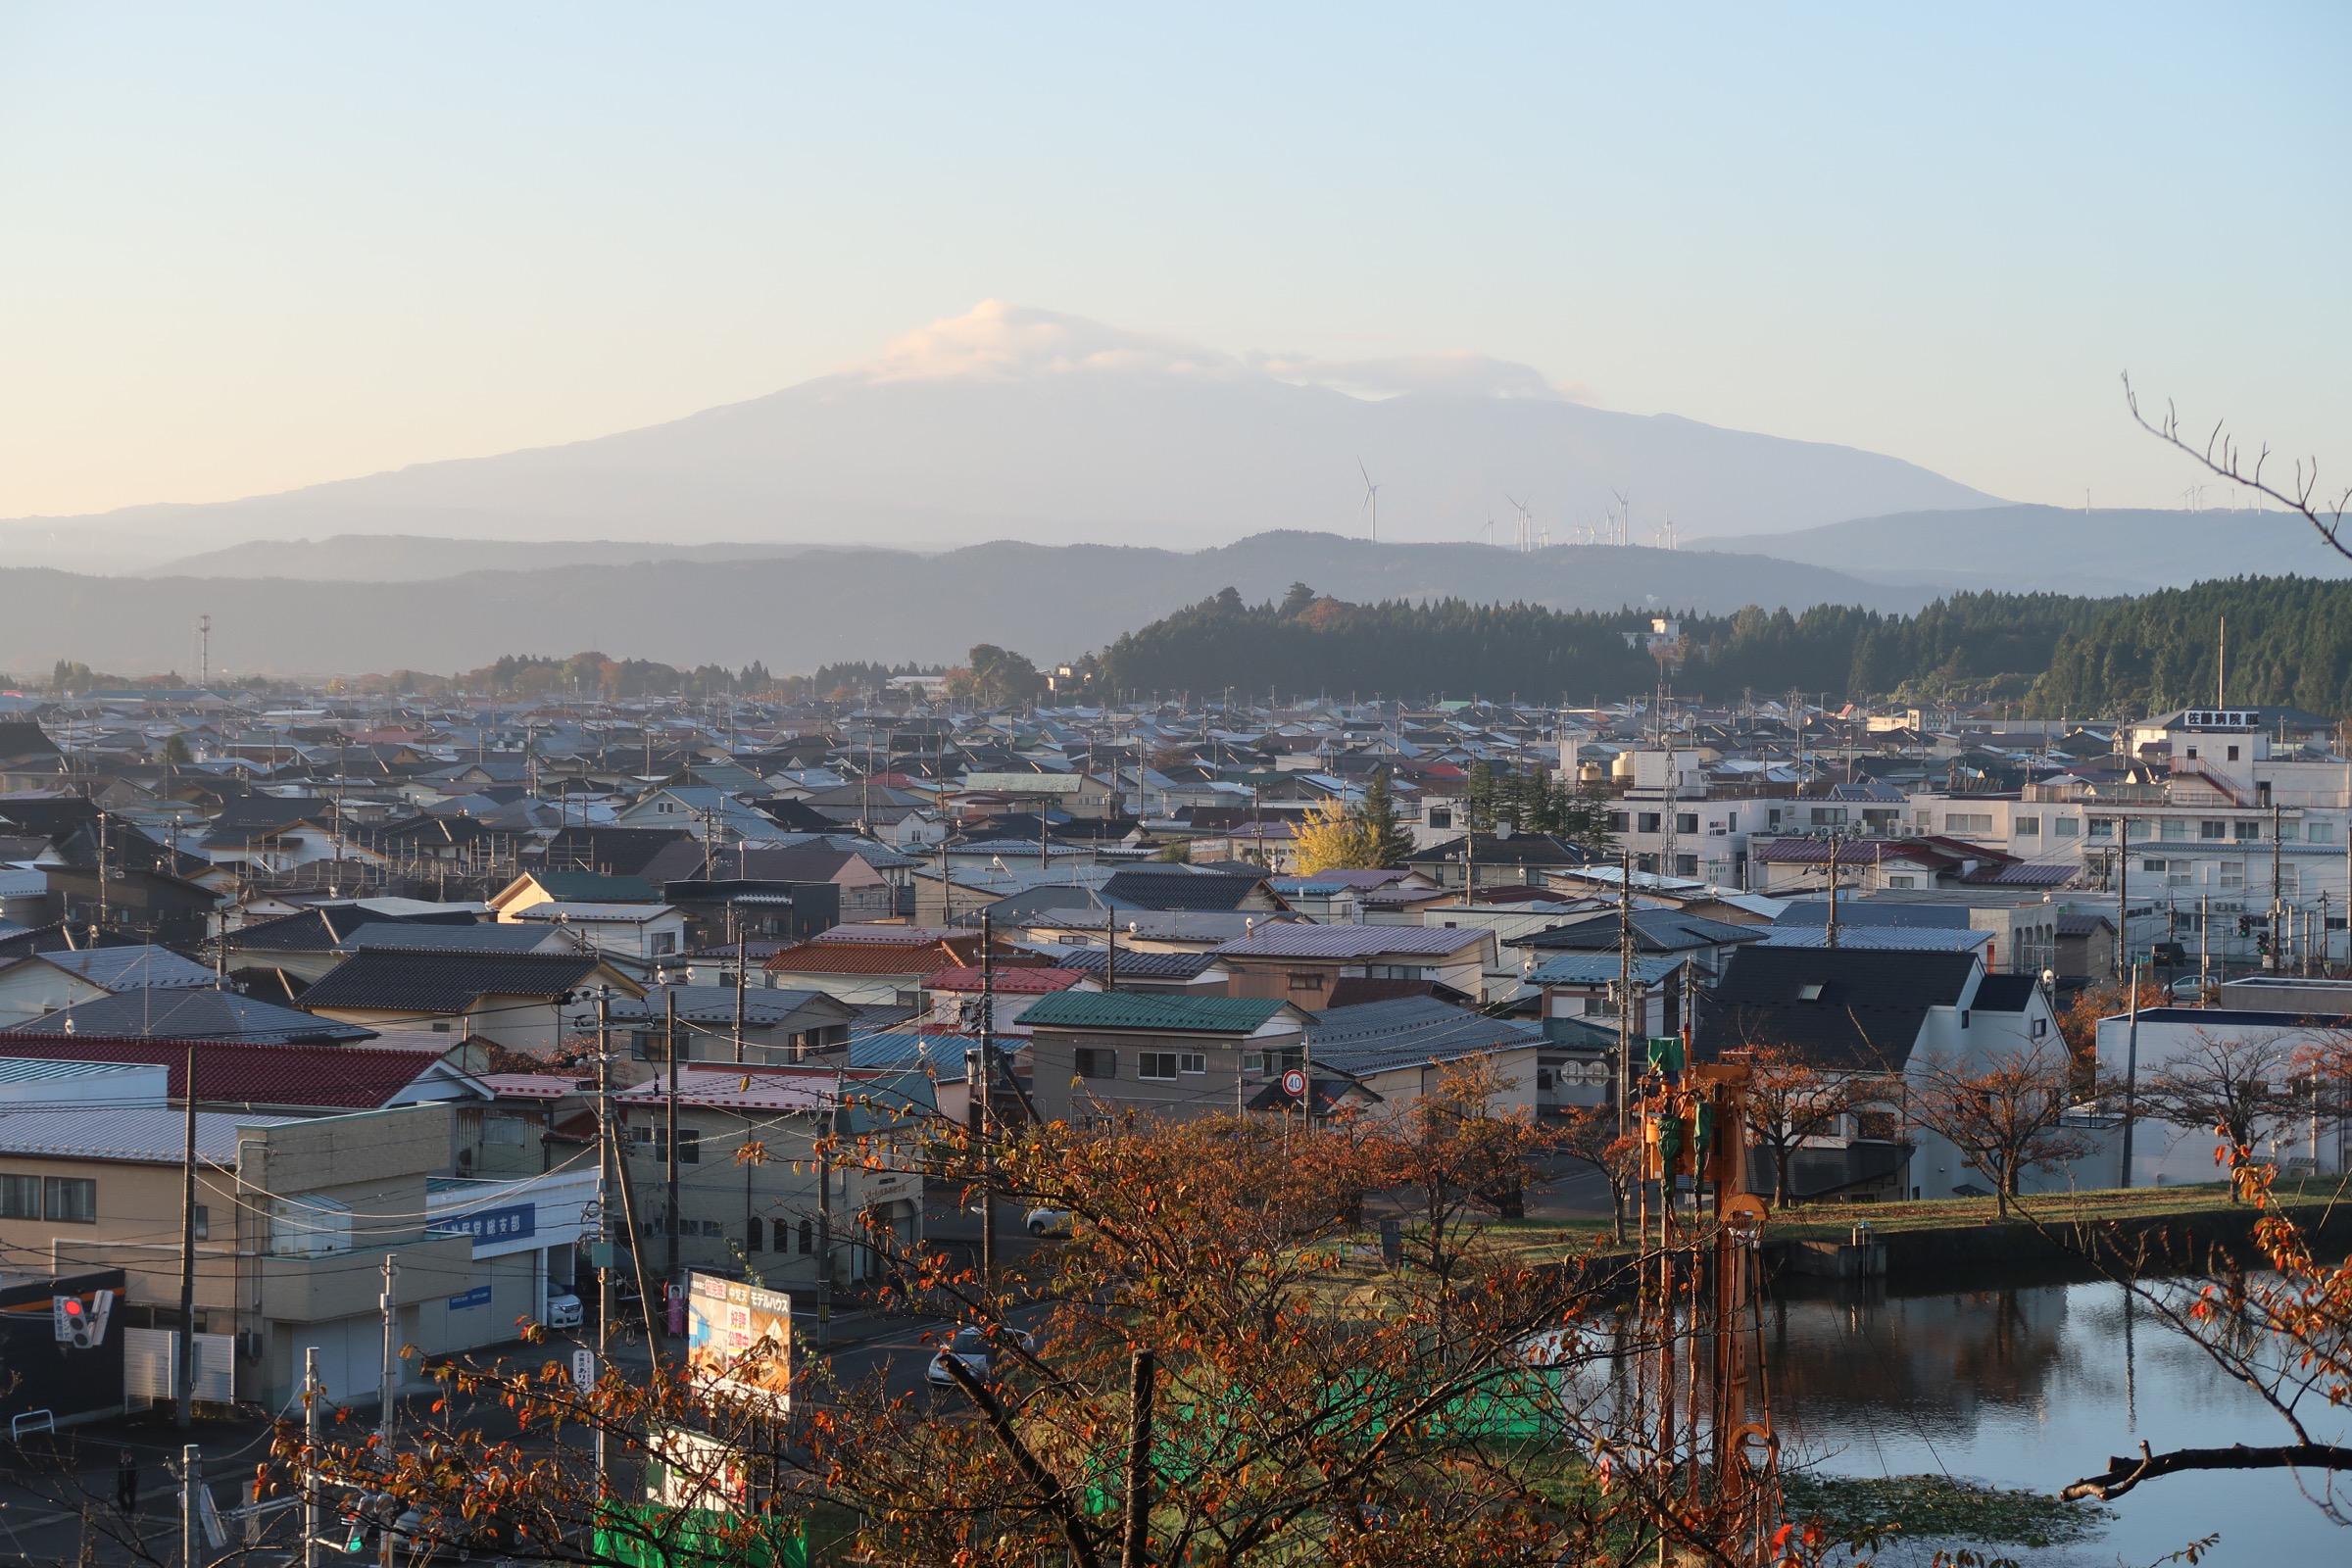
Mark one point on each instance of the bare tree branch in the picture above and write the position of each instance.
(2325, 516)
(2124, 1473)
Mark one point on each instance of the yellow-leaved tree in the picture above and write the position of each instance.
(1332, 838)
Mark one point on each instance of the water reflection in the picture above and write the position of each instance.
(2033, 1387)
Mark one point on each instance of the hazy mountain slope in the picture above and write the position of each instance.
(1025, 425)
(410, 557)
(1049, 602)
(2100, 551)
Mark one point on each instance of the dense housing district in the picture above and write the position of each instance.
(364, 961)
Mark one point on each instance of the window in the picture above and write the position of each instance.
(1162, 1066)
(1648, 822)
(2233, 754)
(2211, 829)
(1968, 821)
(1397, 971)
(2319, 832)
(1686, 821)
(2156, 866)
(1617, 820)
(2232, 875)
(1305, 980)
(2248, 831)
(1686, 865)
(2172, 827)
(2065, 827)
(69, 1199)
(204, 1223)
(2289, 832)
(1596, 1006)
(1441, 816)
(755, 1236)
(1874, 1126)
(2026, 827)
(1809, 991)
(1902, 882)
(2102, 827)
(665, 942)
(656, 1138)
(807, 1237)
(1731, 822)
(2290, 880)
(2041, 1027)
(19, 1198)
(1094, 1062)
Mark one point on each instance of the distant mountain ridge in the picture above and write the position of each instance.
(1018, 424)
(2060, 549)
(1051, 601)
(411, 558)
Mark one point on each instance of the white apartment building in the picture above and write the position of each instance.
(2233, 830)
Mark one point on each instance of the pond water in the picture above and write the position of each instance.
(2034, 1388)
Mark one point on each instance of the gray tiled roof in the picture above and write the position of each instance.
(1379, 1036)
(1281, 941)
(194, 1014)
(445, 982)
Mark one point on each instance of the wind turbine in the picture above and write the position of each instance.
(1371, 499)
(1625, 517)
(1527, 532)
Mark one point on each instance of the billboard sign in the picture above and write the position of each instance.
(739, 1339)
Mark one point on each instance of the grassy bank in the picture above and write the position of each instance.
(1551, 1239)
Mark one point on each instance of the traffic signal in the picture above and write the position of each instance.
(69, 1320)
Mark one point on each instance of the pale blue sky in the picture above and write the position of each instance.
(245, 246)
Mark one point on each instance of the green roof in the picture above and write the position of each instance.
(594, 887)
(1135, 1011)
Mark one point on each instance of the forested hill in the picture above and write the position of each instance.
(2290, 641)
(1991, 643)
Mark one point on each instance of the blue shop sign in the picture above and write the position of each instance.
(513, 1223)
(479, 1295)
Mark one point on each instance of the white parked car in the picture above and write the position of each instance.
(1050, 1223)
(564, 1311)
(972, 1348)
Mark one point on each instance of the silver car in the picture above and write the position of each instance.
(973, 1349)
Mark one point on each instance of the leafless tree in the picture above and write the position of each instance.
(2006, 1114)
(2240, 1086)
(2222, 456)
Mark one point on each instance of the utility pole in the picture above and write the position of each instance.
(2130, 1071)
(1833, 926)
(741, 971)
(604, 1219)
(184, 1416)
(314, 1507)
(384, 1376)
(988, 1099)
(2123, 897)
(828, 1137)
(2204, 943)
(669, 1119)
(1625, 987)
(2278, 959)
(191, 1477)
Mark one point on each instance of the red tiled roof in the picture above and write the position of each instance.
(870, 958)
(244, 1073)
